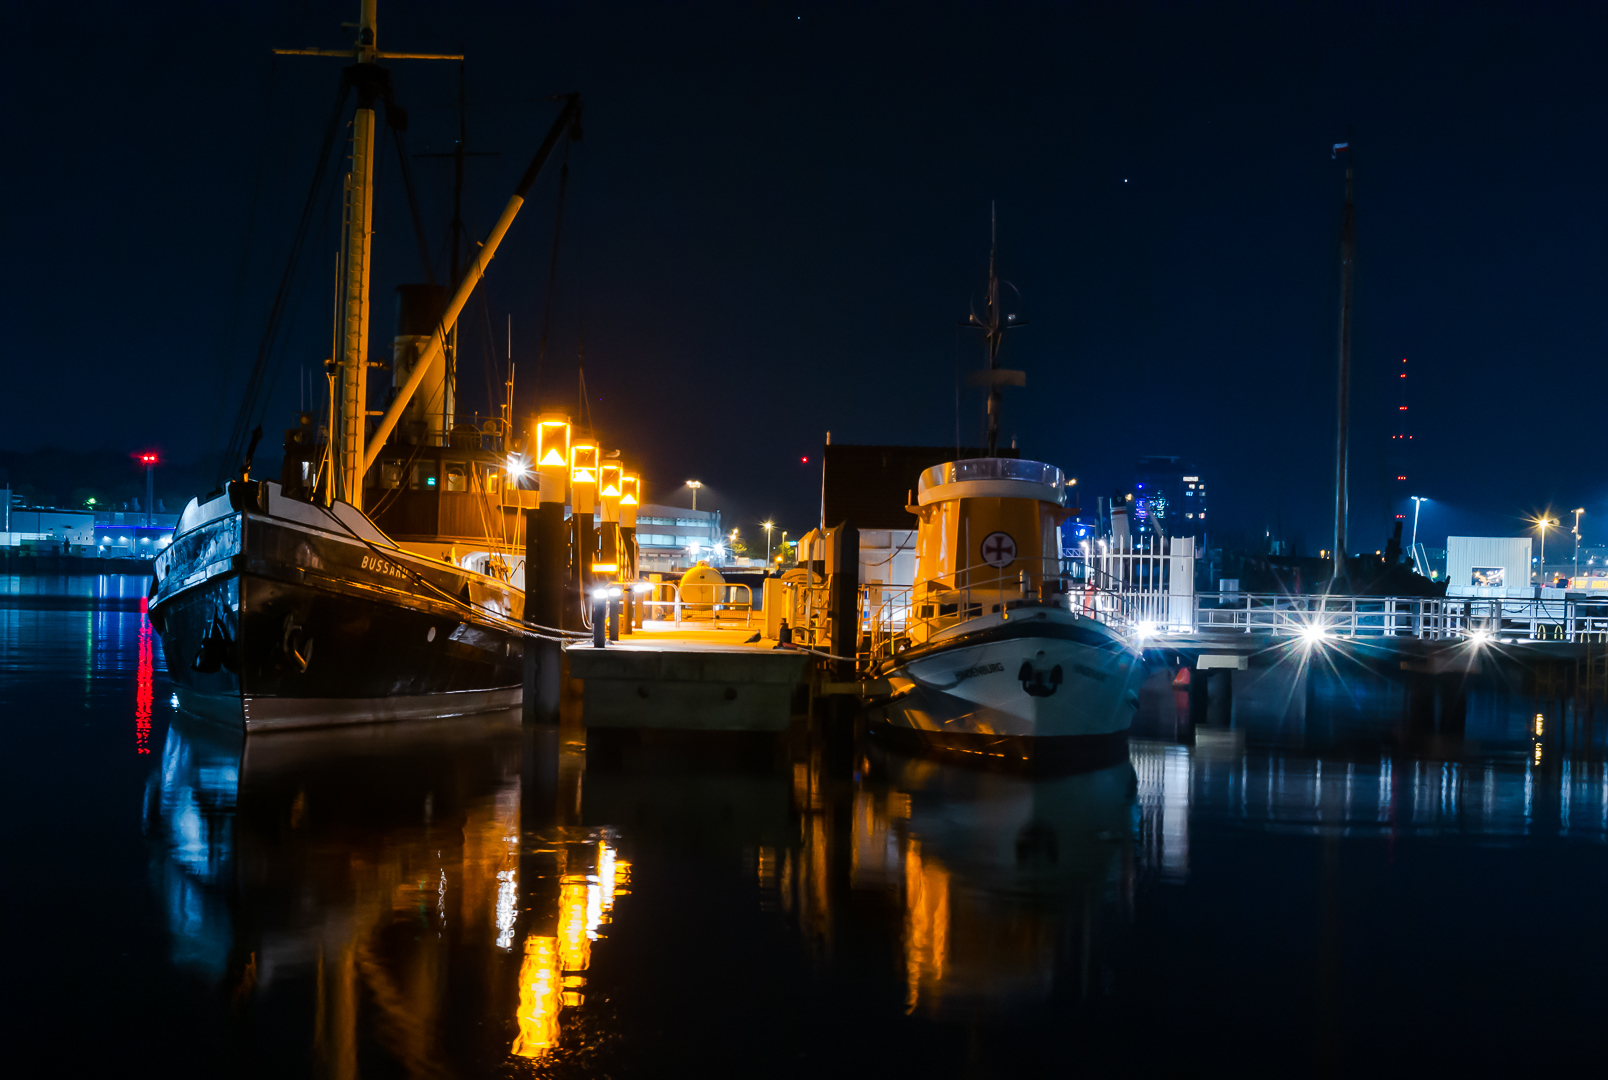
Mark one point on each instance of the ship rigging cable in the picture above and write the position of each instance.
(528, 629)
(248, 405)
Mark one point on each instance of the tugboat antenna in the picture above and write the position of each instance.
(993, 328)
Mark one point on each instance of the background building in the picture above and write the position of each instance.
(51, 531)
(674, 538)
(1169, 498)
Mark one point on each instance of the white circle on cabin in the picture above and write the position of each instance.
(999, 549)
(431, 635)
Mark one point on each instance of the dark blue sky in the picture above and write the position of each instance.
(779, 213)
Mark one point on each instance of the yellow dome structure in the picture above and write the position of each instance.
(699, 589)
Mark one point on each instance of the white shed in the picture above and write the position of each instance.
(1488, 566)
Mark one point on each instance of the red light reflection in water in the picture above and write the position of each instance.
(142, 691)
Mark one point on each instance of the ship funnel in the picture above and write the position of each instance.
(429, 413)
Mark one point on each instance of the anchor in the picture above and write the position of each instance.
(216, 651)
(1034, 682)
(296, 650)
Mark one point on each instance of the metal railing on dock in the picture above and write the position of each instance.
(1433, 618)
(712, 603)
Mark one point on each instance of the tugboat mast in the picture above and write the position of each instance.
(993, 328)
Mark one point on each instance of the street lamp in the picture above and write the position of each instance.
(1577, 514)
(769, 525)
(695, 485)
(1542, 523)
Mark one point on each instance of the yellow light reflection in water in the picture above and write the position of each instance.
(551, 976)
(574, 946)
(538, 998)
(926, 923)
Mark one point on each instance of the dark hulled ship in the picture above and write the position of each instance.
(381, 577)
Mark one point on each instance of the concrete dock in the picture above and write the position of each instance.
(691, 678)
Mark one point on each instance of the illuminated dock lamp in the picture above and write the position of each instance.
(551, 450)
(1313, 633)
(630, 497)
(583, 475)
(610, 489)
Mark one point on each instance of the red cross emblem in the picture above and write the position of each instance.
(999, 549)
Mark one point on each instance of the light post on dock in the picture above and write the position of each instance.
(1577, 514)
(1542, 523)
(769, 525)
(695, 485)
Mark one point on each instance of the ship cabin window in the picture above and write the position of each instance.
(424, 475)
(390, 474)
(457, 476)
(493, 482)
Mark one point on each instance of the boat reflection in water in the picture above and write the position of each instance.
(368, 892)
(1004, 882)
(421, 897)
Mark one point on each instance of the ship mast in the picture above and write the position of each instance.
(1342, 438)
(993, 328)
(370, 81)
(357, 245)
(358, 449)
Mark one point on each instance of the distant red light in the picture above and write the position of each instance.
(805, 460)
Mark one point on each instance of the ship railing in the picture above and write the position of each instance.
(892, 618)
(1497, 619)
(671, 602)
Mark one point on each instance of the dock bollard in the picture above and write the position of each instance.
(600, 618)
(614, 602)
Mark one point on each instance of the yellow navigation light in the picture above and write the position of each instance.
(553, 457)
(582, 476)
(610, 491)
(627, 500)
(605, 568)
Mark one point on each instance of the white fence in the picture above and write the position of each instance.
(1500, 620)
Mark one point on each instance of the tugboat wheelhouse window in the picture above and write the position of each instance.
(424, 475)
(390, 474)
(457, 476)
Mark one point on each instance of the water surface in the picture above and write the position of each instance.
(452, 899)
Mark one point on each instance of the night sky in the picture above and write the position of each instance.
(780, 213)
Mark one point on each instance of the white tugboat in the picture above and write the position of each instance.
(988, 657)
